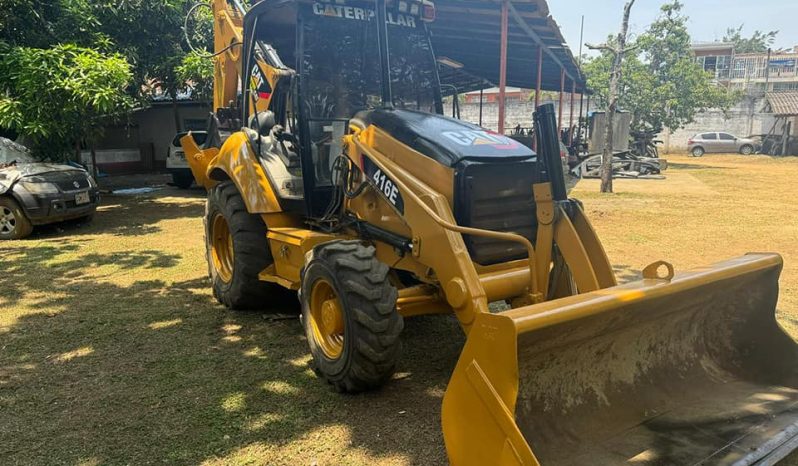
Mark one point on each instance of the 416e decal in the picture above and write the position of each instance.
(384, 184)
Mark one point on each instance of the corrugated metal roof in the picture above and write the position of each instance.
(469, 31)
(783, 103)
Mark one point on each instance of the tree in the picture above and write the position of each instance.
(59, 96)
(44, 23)
(759, 42)
(662, 85)
(616, 49)
(149, 34)
(197, 67)
(197, 70)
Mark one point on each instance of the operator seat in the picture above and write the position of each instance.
(277, 156)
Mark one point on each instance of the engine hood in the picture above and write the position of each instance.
(446, 140)
(12, 173)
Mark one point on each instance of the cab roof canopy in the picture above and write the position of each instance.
(466, 38)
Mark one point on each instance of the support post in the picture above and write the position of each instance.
(581, 107)
(503, 65)
(480, 106)
(571, 117)
(537, 92)
(559, 110)
(587, 112)
(540, 77)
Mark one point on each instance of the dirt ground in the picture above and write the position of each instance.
(112, 350)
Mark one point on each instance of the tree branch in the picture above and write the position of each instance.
(605, 47)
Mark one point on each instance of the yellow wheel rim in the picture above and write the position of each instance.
(222, 248)
(327, 319)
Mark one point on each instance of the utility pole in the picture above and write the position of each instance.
(767, 70)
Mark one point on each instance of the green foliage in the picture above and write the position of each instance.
(661, 84)
(759, 42)
(197, 69)
(54, 94)
(47, 22)
(148, 33)
(60, 95)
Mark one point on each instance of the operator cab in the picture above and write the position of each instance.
(310, 67)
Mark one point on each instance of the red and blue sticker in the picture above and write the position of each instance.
(258, 84)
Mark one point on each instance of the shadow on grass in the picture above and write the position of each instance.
(158, 372)
(129, 216)
(692, 166)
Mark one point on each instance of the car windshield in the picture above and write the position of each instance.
(340, 66)
(11, 152)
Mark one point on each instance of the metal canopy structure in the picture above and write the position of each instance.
(783, 104)
(469, 32)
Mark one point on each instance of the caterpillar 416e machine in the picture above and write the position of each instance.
(330, 170)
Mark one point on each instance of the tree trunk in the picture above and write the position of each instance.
(94, 170)
(612, 101)
(176, 110)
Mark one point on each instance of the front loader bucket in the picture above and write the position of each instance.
(692, 370)
(198, 160)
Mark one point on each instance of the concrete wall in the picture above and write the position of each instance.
(156, 126)
(517, 112)
(743, 120)
(149, 133)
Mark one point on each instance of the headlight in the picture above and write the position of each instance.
(92, 183)
(39, 188)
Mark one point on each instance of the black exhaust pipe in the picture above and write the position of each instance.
(549, 163)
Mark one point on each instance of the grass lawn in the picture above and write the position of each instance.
(113, 351)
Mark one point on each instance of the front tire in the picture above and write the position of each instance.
(237, 250)
(350, 317)
(13, 222)
(746, 150)
(697, 151)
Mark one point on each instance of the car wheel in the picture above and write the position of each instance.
(697, 151)
(13, 222)
(746, 150)
(182, 180)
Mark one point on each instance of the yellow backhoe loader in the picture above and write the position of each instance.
(331, 170)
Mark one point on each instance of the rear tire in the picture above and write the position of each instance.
(182, 180)
(350, 318)
(746, 150)
(697, 151)
(14, 224)
(237, 250)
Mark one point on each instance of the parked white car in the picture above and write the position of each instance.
(176, 160)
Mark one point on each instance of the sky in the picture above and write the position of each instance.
(708, 18)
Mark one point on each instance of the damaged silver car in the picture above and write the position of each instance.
(35, 193)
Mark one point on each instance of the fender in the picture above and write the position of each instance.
(235, 161)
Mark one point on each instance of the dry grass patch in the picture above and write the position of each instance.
(113, 351)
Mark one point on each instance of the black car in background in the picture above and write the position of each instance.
(35, 193)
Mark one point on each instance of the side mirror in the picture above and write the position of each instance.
(262, 122)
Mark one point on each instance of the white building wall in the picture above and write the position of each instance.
(744, 119)
(516, 112)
